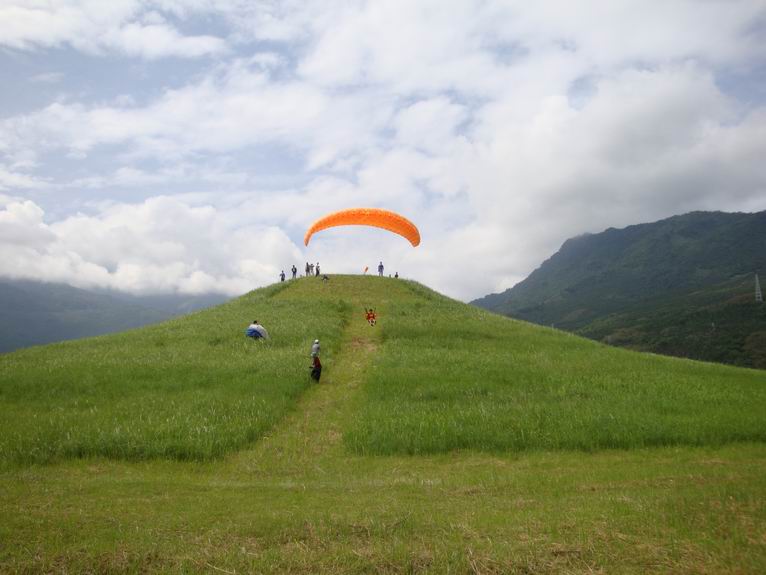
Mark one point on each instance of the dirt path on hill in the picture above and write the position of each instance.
(312, 433)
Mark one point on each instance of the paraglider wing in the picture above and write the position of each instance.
(375, 217)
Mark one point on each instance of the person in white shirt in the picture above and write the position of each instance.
(256, 331)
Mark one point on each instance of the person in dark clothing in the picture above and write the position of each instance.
(282, 276)
(317, 269)
(294, 270)
(380, 269)
(316, 368)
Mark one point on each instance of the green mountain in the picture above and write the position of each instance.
(681, 286)
(445, 439)
(33, 313)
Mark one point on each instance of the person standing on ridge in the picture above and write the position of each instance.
(282, 276)
(380, 269)
(317, 268)
(294, 270)
(307, 269)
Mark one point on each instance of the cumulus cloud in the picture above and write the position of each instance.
(233, 107)
(21, 224)
(93, 26)
(501, 128)
(15, 180)
(160, 40)
(647, 145)
(160, 245)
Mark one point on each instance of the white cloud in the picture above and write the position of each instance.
(47, 78)
(160, 245)
(429, 125)
(501, 128)
(233, 107)
(14, 180)
(618, 33)
(159, 41)
(21, 225)
(96, 27)
(648, 145)
(175, 174)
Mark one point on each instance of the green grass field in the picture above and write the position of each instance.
(452, 377)
(190, 388)
(443, 440)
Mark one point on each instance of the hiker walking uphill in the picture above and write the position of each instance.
(316, 365)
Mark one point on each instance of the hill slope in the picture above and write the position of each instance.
(33, 313)
(446, 376)
(682, 286)
(286, 476)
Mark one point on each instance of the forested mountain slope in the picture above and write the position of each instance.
(683, 286)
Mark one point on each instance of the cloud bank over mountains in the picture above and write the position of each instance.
(185, 145)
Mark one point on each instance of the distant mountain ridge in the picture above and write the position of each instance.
(683, 286)
(33, 313)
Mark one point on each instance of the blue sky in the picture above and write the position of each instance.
(186, 145)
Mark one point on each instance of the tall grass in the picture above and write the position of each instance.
(452, 377)
(190, 388)
(445, 377)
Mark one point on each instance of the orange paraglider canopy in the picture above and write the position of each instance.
(375, 217)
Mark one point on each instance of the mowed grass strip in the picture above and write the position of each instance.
(664, 510)
(449, 376)
(192, 388)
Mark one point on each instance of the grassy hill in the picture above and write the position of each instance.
(189, 388)
(444, 439)
(681, 286)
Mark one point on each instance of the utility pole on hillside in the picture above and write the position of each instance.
(758, 293)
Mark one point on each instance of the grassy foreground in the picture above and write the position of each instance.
(298, 500)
